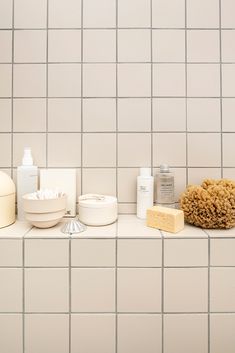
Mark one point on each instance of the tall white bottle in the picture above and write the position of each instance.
(145, 184)
(27, 180)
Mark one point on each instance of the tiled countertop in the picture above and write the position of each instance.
(127, 226)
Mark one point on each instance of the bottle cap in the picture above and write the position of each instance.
(145, 172)
(164, 168)
(27, 158)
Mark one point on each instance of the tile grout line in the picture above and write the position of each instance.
(116, 98)
(162, 293)
(12, 87)
(221, 90)
(47, 79)
(82, 125)
(70, 295)
(116, 226)
(151, 98)
(122, 28)
(186, 91)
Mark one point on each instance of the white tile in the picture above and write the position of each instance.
(222, 252)
(46, 290)
(5, 112)
(99, 14)
(186, 290)
(99, 115)
(228, 77)
(11, 340)
(5, 46)
(168, 14)
(5, 83)
(93, 252)
(139, 290)
(203, 80)
(134, 80)
(228, 146)
(134, 45)
(29, 80)
(108, 231)
(30, 14)
(229, 173)
(134, 114)
(101, 328)
(5, 145)
(204, 150)
(127, 208)
(11, 252)
(228, 45)
(221, 233)
(222, 333)
(189, 231)
(64, 150)
(185, 252)
(139, 333)
(169, 80)
(16, 230)
(65, 13)
(37, 143)
(186, 333)
(99, 80)
(30, 46)
(29, 115)
(54, 232)
(99, 45)
(203, 13)
(203, 114)
(169, 114)
(11, 291)
(46, 253)
(139, 253)
(203, 46)
(6, 13)
(86, 282)
(47, 333)
(99, 150)
(222, 289)
(180, 181)
(168, 45)
(64, 45)
(127, 184)
(129, 226)
(64, 80)
(139, 154)
(197, 175)
(64, 115)
(163, 151)
(227, 11)
(101, 181)
(134, 13)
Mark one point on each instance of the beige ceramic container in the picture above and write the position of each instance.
(44, 213)
(7, 200)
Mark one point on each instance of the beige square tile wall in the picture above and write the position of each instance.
(108, 86)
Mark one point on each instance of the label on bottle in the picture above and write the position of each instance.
(165, 189)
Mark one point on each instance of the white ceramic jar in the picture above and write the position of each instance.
(7, 200)
(97, 210)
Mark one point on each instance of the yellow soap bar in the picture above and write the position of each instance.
(165, 218)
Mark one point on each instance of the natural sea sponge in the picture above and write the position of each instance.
(211, 204)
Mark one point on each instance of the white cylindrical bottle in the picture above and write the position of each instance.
(165, 186)
(27, 180)
(144, 192)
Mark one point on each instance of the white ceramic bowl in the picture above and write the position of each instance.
(44, 213)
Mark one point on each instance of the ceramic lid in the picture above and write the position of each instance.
(97, 201)
(7, 187)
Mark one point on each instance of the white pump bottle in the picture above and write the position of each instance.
(144, 192)
(27, 180)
